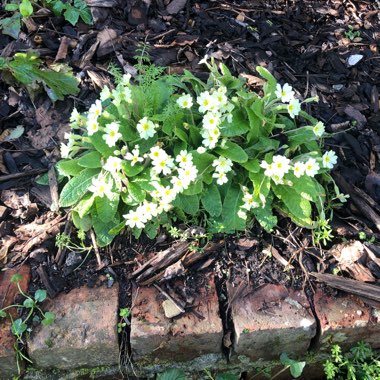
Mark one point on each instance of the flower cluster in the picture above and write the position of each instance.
(192, 153)
(281, 165)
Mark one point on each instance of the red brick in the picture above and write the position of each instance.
(346, 320)
(270, 321)
(8, 295)
(154, 338)
(84, 333)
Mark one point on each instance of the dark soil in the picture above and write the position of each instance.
(304, 43)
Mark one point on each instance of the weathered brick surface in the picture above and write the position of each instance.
(346, 320)
(272, 320)
(8, 295)
(155, 338)
(84, 333)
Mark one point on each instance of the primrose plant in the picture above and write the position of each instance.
(215, 154)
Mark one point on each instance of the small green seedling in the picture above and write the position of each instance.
(123, 314)
(34, 312)
(351, 34)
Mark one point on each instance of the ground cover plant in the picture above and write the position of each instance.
(26, 68)
(360, 363)
(72, 11)
(213, 154)
(34, 314)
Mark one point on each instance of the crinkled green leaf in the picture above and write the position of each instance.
(136, 192)
(188, 203)
(78, 186)
(233, 151)
(231, 206)
(84, 205)
(82, 223)
(90, 160)
(211, 200)
(69, 168)
(237, 127)
(105, 208)
(26, 69)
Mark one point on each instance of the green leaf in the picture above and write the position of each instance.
(100, 145)
(252, 166)
(237, 127)
(188, 203)
(58, 7)
(172, 374)
(300, 136)
(203, 161)
(77, 187)
(135, 191)
(194, 189)
(16, 278)
(11, 26)
(18, 327)
(265, 216)
(26, 69)
(82, 223)
(151, 229)
(308, 188)
(71, 14)
(130, 170)
(84, 205)
(270, 86)
(3, 314)
(211, 200)
(116, 230)
(40, 295)
(85, 15)
(231, 206)
(263, 145)
(26, 8)
(68, 168)
(296, 367)
(233, 151)
(28, 303)
(299, 209)
(105, 208)
(102, 230)
(11, 7)
(49, 318)
(90, 160)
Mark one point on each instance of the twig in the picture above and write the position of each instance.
(33, 172)
(180, 308)
(96, 249)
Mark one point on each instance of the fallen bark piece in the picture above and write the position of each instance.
(359, 288)
(351, 256)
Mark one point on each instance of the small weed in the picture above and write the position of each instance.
(19, 326)
(123, 314)
(360, 363)
(351, 34)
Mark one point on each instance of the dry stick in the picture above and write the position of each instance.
(45, 279)
(96, 249)
(53, 185)
(33, 172)
(359, 288)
